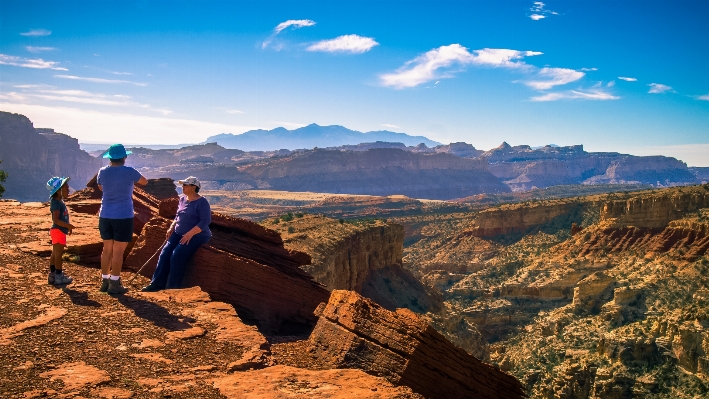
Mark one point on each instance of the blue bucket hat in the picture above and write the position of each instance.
(116, 151)
(55, 183)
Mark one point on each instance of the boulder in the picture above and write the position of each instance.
(354, 332)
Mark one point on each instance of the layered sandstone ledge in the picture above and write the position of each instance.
(520, 218)
(354, 332)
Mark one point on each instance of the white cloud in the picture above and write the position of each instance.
(345, 44)
(595, 94)
(101, 127)
(30, 63)
(37, 32)
(12, 96)
(38, 49)
(85, 97)
(424, 68)
(658, 88)
(627, 79)
(235, 111)
(390, 126)
(40, 86)
(611, 83)
(121, 73)
(540, 12)
(99, 80)
(589, 69)
(554, 77)
(704, 97)
(296, 23)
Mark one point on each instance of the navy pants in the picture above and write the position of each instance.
(172, 263)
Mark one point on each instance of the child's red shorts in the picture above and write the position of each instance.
(58, 237)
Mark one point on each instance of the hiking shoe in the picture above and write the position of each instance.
(151, 288)
(50, 278)
(104, 285)
(116, 287)
(62, 279)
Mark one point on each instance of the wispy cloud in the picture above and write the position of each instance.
(593, 94)
(425, 67)
(36, 86)
(390, 126)
(95, 126)
(235, 111)
(627, 79)
(37, 32)
(295, 23)
(30, 63)
(121, 73)
(658, 88)
(99, 80)
(539, 12)
(43, 92)
(345, 44)
(291, 23)
(38, 49)
(703, 98)
(589, 69)
(550, 77)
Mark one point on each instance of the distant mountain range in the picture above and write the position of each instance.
(311, 136)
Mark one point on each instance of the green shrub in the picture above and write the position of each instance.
(287, 217)
(291, 229)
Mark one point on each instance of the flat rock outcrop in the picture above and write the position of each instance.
(245, 265)
(354, 332)
(30, 158)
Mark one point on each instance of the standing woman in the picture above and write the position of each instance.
(115, 221)
(188, 232)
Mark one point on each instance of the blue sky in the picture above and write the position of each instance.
(626, 76)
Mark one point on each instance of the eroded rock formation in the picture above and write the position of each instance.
(30, 158)
(354, 332)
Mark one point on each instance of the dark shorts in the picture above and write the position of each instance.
(120, 230)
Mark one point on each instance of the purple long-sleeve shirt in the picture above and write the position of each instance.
(193, 213)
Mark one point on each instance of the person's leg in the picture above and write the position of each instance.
(123, 234)
(106, 257)
(180, 257)
(119, 248)
(52, 268)
(60, 278)
(159, 279)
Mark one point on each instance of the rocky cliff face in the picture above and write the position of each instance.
(655, 210)
(523, 168)
(31, 158)
(521, 218)
(361, 256)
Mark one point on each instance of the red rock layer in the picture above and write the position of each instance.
(354, 332)
(245, 265)
(690, 240)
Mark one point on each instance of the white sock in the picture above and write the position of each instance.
(105, 276)
(115, 277)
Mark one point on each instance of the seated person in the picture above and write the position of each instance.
(188, 232)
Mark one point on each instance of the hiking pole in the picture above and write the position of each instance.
(146, 262)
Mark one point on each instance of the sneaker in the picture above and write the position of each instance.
(116, 287)
(151, 288)
(62, 279)
(50, 278)
(104, 285)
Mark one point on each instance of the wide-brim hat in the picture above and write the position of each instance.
(116, 151)
(55, 183)
(191, 180)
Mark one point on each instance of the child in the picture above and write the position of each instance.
(60, 228)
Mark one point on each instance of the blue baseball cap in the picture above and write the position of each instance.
(55, 183)
(116, 151)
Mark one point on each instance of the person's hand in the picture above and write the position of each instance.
(169, 233)
(70, 227)
(186, 238)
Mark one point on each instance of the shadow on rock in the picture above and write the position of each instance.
(81, 298)
(155, 313)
